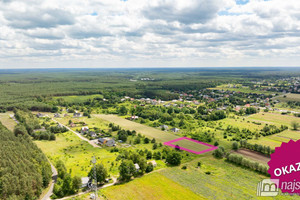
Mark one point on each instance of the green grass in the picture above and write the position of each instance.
(273, 118)
(241, 89)
(191, 145)
(78, 99)
(7, 121)
(160, 136)
(226, 181)
(76, 154)
(152, 186)
(289, 97)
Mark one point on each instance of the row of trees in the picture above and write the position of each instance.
(240, 160)
(257, 147)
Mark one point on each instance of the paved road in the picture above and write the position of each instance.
(54, 178)
(91, 142)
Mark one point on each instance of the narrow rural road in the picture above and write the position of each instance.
(54, 178)
(80, 136)
(81, 193)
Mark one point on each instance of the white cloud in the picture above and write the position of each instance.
(137, 33)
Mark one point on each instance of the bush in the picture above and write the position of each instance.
(184, 167)
(235, 146)
(219, 153)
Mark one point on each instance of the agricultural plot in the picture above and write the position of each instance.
(160, 136)
(225, 181)
(190, 145)
(152, 186)
(76, 153)
(7, 121)
(274, 118)
(289, 97)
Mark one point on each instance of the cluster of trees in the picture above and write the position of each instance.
(24, 169)
(127, 168)
(257, 147)
(214, 115)
(240, 160)
(66, 184)
(272, 129)
(123, 134)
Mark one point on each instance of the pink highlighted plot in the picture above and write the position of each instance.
(190, 145)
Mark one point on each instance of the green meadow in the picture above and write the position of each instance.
(76, 153)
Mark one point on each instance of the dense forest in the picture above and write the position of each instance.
(24, 169)
(29, 88)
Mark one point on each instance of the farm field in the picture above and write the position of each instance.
(161, 136)
(240, 89)
(191, 145)
(274, 118)
(7, 121)
(253, 156)
(289, 97)
(75, 153)
(226, 181)
(152, 186)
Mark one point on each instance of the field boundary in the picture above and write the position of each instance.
(169, 143)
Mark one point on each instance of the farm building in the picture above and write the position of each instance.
(175, 130)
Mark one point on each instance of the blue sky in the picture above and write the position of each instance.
(143, 33)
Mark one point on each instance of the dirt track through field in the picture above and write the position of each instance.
(253, 155)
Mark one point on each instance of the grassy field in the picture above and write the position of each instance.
(240, 89)
(160, 136)
(7, 121)
(75, 153)
(226, 181)
(273, 118)
(152, 186)
(78, 99)
(191, 145)
(289, 97)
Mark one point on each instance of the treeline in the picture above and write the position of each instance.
(240, 160)
(257, 147)
(24, 169)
